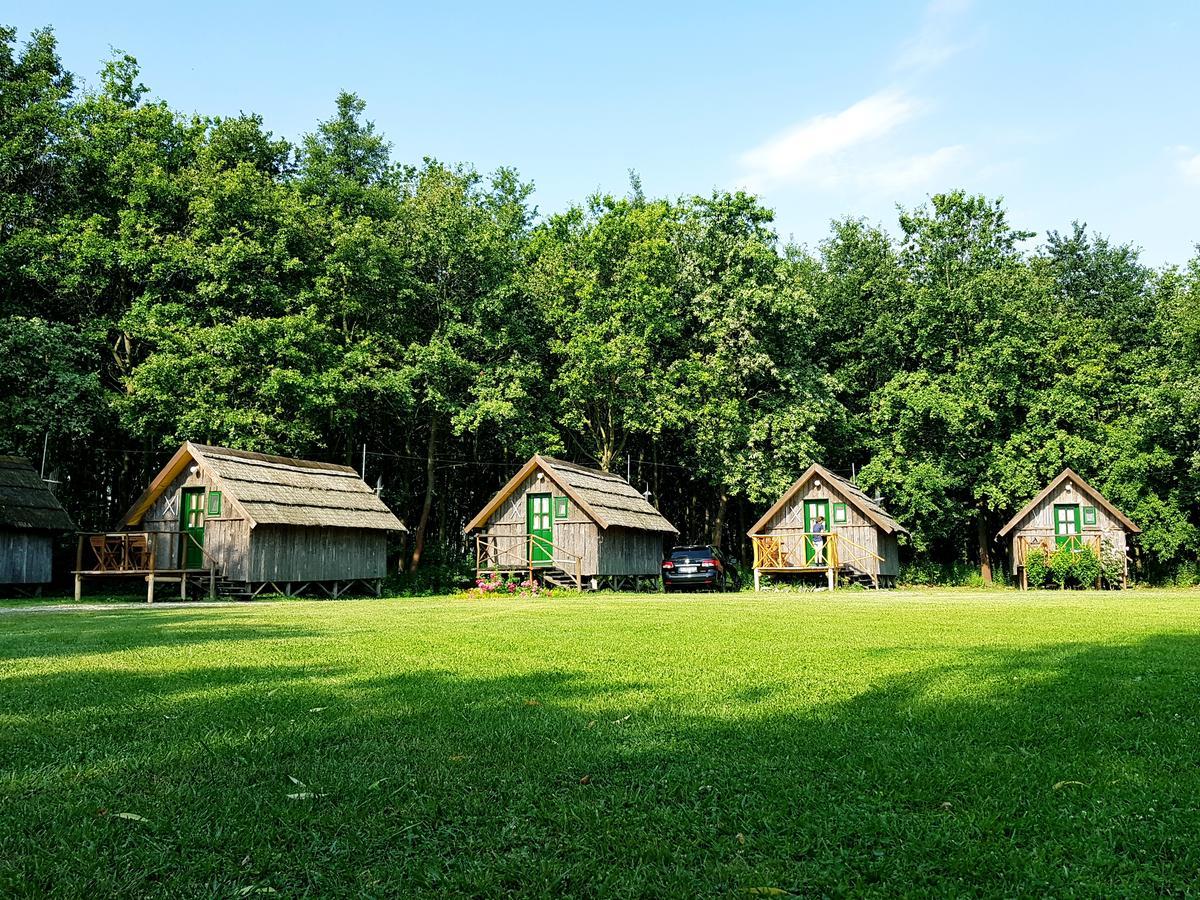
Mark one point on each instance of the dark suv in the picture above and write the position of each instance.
(699, 567)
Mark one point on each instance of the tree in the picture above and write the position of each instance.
(604, 281)
(938, 420)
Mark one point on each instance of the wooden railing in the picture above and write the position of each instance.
(136, 553)
(860, 558)
(507, 553)
(796, 549)
(1049, 542)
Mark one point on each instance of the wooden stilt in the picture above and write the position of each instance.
(150, 588)
(212, 584)
(757, 584)
(78, 587)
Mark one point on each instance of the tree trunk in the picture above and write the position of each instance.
(427, 506)
(719, 521)
(985, 556)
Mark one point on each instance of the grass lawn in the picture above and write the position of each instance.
(900, 743)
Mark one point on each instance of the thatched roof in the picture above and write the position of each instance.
(847, 488)
(608, 499)
(26, 501)
(1084, 488)
(277, 490)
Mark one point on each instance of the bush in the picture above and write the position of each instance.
(1080, 568)
(925, 573)
(1036, 570)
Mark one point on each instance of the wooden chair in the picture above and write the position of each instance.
(137, 551)
(105, 552)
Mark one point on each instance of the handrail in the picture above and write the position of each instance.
(770, 552)
(1048, 542)
(152, 538)
(488, 554)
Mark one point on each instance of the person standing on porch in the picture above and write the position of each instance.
(818, 530)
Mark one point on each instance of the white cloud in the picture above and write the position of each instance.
(937, 40)
(1188, 162)
(802, 152)
(910, 172)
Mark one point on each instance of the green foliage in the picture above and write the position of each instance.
(169, 276)
(1037, 567)
(1079, 567)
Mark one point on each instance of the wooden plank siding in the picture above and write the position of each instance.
(857, 528)
(627, 551)
(576, 534)
(615, 551)
(1039, 522)
(307, 553)
(226, 537)
(25, 556)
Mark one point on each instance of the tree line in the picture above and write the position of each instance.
(169, 276)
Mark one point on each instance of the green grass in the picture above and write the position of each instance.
(912, 743)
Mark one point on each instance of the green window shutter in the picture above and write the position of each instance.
(214, 503)
(1089, 515)
(839, 514)
(562, 508)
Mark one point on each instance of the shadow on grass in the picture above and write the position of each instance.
(68, 634)
(1068, 769)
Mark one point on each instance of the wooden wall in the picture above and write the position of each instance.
(857, 527)
(577, 534)
(617, 551)
(304, 553)
(226, 537)
(25, 556)
(1039, 523)
(630, 551)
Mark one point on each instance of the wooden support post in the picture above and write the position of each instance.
(183, 586)
(78, 587)
(212, 583)
(378, 587)
(830, 576)
(150, 577)
(757, 585)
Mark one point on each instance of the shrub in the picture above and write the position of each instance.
(1085, 567)
(1036, 569)
(1062, 567)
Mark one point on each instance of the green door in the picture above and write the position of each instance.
(192, 525)
(1066, 523)
(812, 509)
(540, 514)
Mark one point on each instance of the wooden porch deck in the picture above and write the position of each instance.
(134, 554)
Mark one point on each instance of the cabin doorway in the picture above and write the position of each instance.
(192, 525)
(1066, 523)
(540, 528)
(813, 509)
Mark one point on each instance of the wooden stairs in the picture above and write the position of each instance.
(558, 578)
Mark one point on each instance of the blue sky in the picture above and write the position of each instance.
(1070, 110)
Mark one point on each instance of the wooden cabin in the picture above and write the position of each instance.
(31, 519)
(237, 523)
(1070, 513)
(860, 542)
(571, 526)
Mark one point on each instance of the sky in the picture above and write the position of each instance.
(1069, 110)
